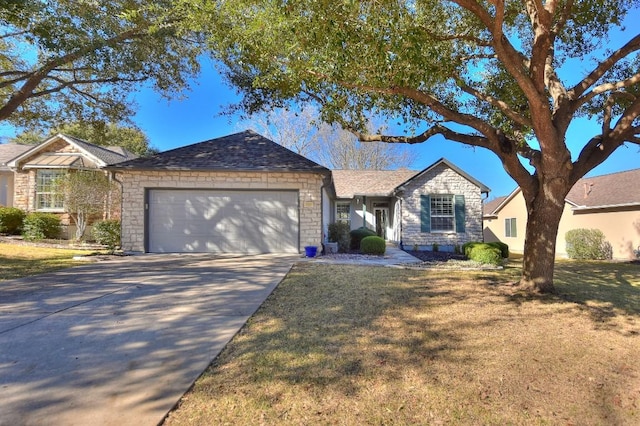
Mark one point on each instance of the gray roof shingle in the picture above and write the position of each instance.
(349, 183)
(109, 155)
(244, 151)
(489, 206)
(9, 151)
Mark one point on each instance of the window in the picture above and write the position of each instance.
(442, 213)
(442, 218)
(343, 213)
(46, 196)
(510, 228)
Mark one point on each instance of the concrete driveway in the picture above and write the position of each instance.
(119, 342)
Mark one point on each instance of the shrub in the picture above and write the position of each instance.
(38, 226)
(587, 244)
(373, 245)
(486, 254)
(107, 232)
(435, 247)
(358, 234)
(466, 247)
(504, 248)
(11, 220)
(339, 233)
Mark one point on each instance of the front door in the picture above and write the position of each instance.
(382, 220)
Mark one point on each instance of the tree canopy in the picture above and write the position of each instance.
(302, 131)
(70, 60)
(500, 75)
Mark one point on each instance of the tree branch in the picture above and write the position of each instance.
(37, 76)
(564, 17)
(579, 89)
(501, 105)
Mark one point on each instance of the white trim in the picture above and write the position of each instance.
(13, 164)
(606, 206)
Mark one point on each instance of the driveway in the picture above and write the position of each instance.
(119, 342)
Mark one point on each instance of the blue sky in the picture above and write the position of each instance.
(196, 117)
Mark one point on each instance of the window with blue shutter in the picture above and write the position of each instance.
(425, 213)
(442, 213)
(460, 214)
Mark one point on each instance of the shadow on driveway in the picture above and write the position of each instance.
(119, 342)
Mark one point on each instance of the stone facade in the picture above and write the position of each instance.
(135, 182)
(440, 180)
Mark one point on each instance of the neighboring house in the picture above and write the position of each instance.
(35, 171)
(8, 151)
(244, 193)
(610, 203)
(439, 205)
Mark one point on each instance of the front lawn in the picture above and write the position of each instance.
(340, 344)
(18, 261)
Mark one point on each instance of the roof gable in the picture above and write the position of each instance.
(244, 151)
(349, 183)
(98, 155)
(483, 187)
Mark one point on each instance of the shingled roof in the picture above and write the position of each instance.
(8, 151)
(109, 155)
(611, 190)
(349, 183)
(489, 206)
(244, 151)
(621, 189)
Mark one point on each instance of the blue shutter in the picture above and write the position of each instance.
(460, 214)
(425, 213)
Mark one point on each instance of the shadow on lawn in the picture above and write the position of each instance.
(605, 289)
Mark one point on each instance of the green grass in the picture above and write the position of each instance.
(17, 261)
(339, 344)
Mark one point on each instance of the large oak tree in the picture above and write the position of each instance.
(77, 60)
(494, 74)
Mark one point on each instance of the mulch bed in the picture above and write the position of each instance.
(435, 256)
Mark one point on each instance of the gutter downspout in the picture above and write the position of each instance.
(112, 175)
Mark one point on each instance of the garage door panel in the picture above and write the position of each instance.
(223, 221)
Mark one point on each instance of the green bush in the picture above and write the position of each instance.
(435, 247)
(339, 233)
(11, 220)
(587, 244)
(486, 254)
(504, 248)
(38, 226)
(466, 247)
(107, 232)
(373, 245)
(357, 235)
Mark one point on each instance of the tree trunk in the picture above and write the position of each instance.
(544, 215)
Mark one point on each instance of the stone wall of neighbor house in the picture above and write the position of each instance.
(134, 184)
(441, 180)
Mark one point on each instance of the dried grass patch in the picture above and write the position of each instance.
(18, 261)
(338, 344)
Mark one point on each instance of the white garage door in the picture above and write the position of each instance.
(217, 221)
